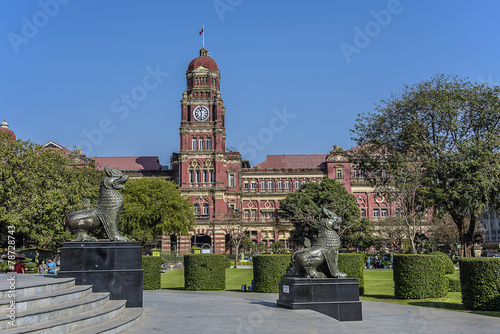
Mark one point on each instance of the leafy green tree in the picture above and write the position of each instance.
(247, 244)
(359, 235)
(154, 206)
(450, 128)
(303, 208)
(261, 248)
(38, 187)
(278, 247)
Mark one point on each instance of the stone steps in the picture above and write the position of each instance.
(53, 305)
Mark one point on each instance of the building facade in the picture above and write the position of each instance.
(220, 183)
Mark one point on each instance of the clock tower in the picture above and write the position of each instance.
(202, 110)
(205, 172)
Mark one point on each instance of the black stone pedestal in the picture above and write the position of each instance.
(335, 297)
(114, 267)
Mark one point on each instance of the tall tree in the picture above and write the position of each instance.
(154, 206)
(400, 179)
(236, 227)
(303, 208)
(450, 127)
(360, 235)
(391, 234)
(38, 187)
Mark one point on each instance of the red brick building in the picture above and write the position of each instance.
(219, 182)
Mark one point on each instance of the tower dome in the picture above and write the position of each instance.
(203, 60)
(4, 128)
(203, 77)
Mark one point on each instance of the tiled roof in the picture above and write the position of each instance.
(293, 161)
(55, 145)
(203, 61)
(129, 163)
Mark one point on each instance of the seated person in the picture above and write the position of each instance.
(51, 266)
(19, 267)
(42, 268)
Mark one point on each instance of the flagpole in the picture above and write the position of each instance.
(203, 28)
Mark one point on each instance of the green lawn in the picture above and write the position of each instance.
(379, 286)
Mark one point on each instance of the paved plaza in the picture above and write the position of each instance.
(233, 312)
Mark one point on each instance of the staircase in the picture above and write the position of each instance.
(46, 304)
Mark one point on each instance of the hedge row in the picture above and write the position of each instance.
(353, 264)
(453, 284)
(152, 272)
(204, 272)
(449, 267)
(268, 270)
(419, 276)
(480, 279)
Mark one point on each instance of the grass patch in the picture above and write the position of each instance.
(379, 287)
(174, 280)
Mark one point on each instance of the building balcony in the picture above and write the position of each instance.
(202, 217)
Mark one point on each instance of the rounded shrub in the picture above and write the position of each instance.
(480, 278)
(268, 270)
(419, 276)
(205, 272)
(152, 272)
(449, 267)
(31, 268)
(352, 264)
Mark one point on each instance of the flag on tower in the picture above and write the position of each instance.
(202, 32)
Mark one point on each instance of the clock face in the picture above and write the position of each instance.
(201, 113)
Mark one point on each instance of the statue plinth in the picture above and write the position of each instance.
(335, 297)
(114, 267)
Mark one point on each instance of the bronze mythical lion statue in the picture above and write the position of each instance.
(106, 211)
(324, 252)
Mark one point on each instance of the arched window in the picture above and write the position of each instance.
(196, 209)
(194, 144)
(209, 143)
(206, 209)
(201, 144)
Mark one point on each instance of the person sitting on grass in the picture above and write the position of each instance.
(51, 266)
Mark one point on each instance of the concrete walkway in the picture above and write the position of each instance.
(233, 312)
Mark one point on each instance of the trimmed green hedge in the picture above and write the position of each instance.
(453, 284)
(419, 276)
(205, 272)
(152, 272)
(480, 279)
(353, 264)
(449, 267)
(268, 270)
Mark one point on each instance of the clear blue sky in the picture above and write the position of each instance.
(59, 81)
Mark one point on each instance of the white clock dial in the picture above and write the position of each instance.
(201, 113)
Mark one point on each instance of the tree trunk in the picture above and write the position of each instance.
(461, 236)
(413, 247)
(469, 236)
(237, 255)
